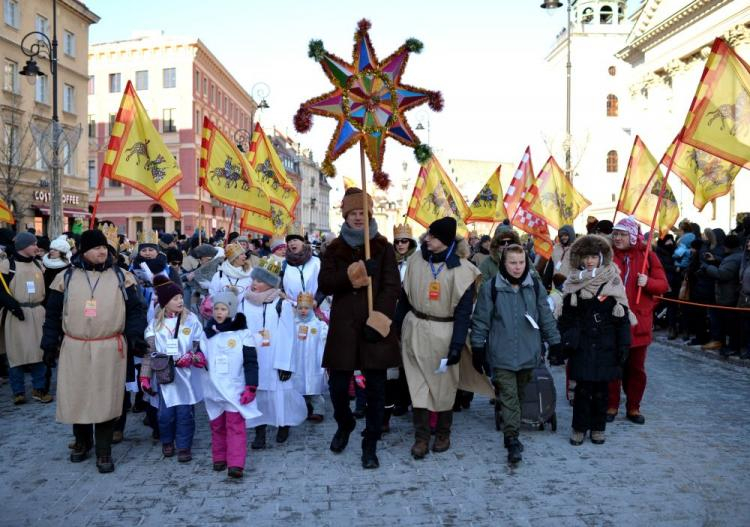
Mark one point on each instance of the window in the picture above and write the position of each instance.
(93, 180)
(612, 161)
(114, 83)
(224, 106)
(13, 143)
(197, 120)
(69, 158)
(12, 13)
(605, 15)
(213, 94)
(587, 16)
(42, 89)
(168, 120)
(92, 126)
(41, 24)
(197, 81)
(170, 77)
(205, 86)
(69, 98)
(612, 109)
(141, 80)
(112, 118)
(39, 163)
(612, 71)
(10, 77)
(114, 183)
(69, 43)
(91, 85)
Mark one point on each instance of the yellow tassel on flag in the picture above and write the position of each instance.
(553, 198)
(488, 204)
(435, 196)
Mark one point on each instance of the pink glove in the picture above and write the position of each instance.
(185, 361)
(360, 380)
(248, 395)
(145, 384)
(199, 360)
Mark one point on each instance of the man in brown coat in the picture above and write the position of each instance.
(358, 340)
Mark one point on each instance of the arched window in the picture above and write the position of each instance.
(612, 105)
(612, 71)
(587, 16)
(605, 15)
(156, 209)
(620, 14)
(612, 161)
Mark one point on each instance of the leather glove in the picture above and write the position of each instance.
(478, 358)
(146, 385)
(556, 355)
(185, 361)
(248, 395)
(50, 357)
(371, 335)
(454, 355)
(199, 360)
(18, 313)
(371, 266)
(284, 375)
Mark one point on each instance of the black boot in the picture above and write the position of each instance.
(369, 457)
(259, 442)
(282, 434)
(341, 437)
(514, 449)
(104, 461)
(506, 442)
(80, 452)
(421, 433)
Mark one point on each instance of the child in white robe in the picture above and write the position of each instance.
(309, 342)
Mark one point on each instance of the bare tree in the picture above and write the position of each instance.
(17, 157)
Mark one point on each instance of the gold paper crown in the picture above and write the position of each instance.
(295, 230)
(305, 300)
(110, 231)
(402, 231)
(271, 265)
(149, 237)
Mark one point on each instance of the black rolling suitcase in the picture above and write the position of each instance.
(539, 401)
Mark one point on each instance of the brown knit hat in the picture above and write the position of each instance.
(353, 201)
(232, 251)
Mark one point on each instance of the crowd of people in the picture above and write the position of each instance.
(258, 330)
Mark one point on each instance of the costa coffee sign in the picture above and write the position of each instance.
(67, 199)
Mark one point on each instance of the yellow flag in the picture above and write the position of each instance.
(275, 225)
(137, 155)
(719, 118)
(435, 196)
(5, 214)
(269, 174)
(488, 205)
(225, 173)
(707, 176)
(553, 198)
(641, 188)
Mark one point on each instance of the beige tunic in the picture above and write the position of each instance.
(22, 338)
(425, 342)
(91, 371)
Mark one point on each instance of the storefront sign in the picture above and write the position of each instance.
(67, 199)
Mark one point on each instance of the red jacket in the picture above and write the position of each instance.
(630, 263)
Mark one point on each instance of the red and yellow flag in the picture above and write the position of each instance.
(523, 179)
(553, 198)
(269, 174)
(5, 214)
(707, 176)
(225, 173)
(641, 189)
(137, 155)
(488, 205)
(719, 118)
(435, 196)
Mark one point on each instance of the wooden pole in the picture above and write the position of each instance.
(92, 221)
(200, 214)
(365, 207)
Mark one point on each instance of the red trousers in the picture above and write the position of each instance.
(633, 381)
(229, 439)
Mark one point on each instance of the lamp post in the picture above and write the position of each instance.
(421, 127)
(554, 4)
(259, 91)
(39, 46)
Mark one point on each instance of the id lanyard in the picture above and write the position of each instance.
(89, 309)
(301, 270)
(434, 289)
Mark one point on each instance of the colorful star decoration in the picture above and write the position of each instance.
(369, 101)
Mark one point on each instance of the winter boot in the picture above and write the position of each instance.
(369, 457)
(282, 434)
(514, 449)
(220, 466)
(443, 432)
(597, 437)
(341, 437)
(259, 442)
(235, 472)
(506, 442)
(167, 449)
(80, 452)
(421, 433)
(104, 462)
(184, 455)
(576, 437)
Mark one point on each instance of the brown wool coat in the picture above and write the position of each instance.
(346, 348)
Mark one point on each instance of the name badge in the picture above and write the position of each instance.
(302, 332)
(222, 364)
(31, 287)
(265, 336)
(434, 290)
(531, 321)
(89, 309)
(173, 347)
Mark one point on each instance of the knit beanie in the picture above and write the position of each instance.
(232, 251)
(165, 289)
(91, 239)
(227, 298)
(444, 230)
(604, 227)
(277, 243)
(174, 255)
(353, 201)
(24, 240)
(631, 226)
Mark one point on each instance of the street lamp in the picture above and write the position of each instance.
(40, 45)
(554, 4)
(242, 137)
(424, 117)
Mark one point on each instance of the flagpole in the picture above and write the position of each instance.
(367, 220)
(99, 186)
(231, 222)
(200, 214)
(678, 143)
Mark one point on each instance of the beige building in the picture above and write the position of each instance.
(24, 176)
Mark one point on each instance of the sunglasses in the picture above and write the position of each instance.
(402, 240)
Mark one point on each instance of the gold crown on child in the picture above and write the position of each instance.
(271, 265)
(402, 231)
(148, 237)
(305, 299)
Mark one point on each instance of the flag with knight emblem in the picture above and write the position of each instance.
(435, 196)
(553, 197)
(488, 205)
(269, 173)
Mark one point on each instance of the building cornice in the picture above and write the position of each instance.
(82, 11)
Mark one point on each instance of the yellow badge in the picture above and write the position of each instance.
(314, 331)
(231, 343)
(186, 331)
(434, 290)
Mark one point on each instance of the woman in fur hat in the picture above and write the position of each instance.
(57, 259)
(595, 328)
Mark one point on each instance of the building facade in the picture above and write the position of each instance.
(179, 82)
(26, 104)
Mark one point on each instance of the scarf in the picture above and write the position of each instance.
(586, 284)
(356, 237)
(258, 298)
(53, 263)
(155, 265)
(300, 258)
(234, 272)
(403, 257)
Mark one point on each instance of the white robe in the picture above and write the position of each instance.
(187, 387)
(226, 278)
(224, 381)
(309, 375)
(301, 279)
(279, 402)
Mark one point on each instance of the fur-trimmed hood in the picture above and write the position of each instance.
(501, 233)
(587, 245)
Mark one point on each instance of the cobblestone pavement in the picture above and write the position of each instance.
(689, 465)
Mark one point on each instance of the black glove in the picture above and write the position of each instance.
(18, 313)
(478, 358)
(371, 266)
(454, 355)
(370, 335)
(284, 375)
(50, 357)
(556, 355)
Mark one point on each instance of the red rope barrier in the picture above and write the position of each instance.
(712, 306)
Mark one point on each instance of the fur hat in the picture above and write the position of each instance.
(91, 239)
(24, 240)
(444, 230)
(353, 201)
(61, 245)
(232, 251)
(591, 244)
(165, 289)
(205, 249)
(227, 298)
(267, 271)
